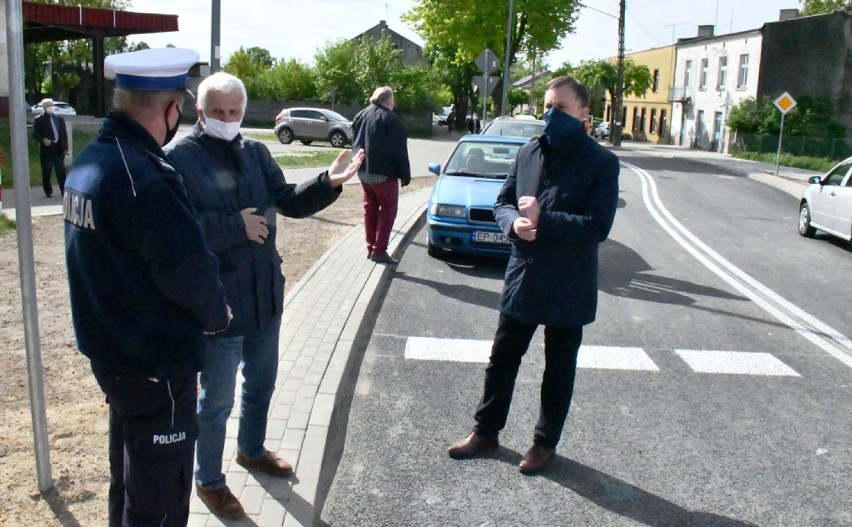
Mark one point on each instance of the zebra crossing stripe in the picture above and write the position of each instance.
(735, 363)
(615, 358)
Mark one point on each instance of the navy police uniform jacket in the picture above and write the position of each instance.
(143, 283)
(553, 280)
(224, 177)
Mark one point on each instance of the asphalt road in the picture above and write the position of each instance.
(714, 389)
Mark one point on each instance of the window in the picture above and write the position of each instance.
(653, 129)
(624, 117)
(635, 118)
(687, 74)
(742, 77)
(663, 122)
(723, 73)
(642, 120)
(702, 82)
(656, 85)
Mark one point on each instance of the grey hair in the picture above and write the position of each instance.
(46, 102)
(382, 95)
(221, 82)
(576, 86)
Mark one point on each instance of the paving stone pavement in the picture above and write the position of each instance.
(316, 373)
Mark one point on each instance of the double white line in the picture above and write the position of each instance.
(822, 335)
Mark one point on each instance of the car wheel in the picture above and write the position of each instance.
(285, 135)
(307, 142)
(337, 139)
(805, 228)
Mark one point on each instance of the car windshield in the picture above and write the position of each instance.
(482, 159)
(334, 116)
(525, 129)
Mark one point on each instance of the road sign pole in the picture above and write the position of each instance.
(484, 92)
(780, 138)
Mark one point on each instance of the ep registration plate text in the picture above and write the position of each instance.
(490, 237)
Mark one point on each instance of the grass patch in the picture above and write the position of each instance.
(307, 159)
(262, 136)
(6, 224)
(79, 140)
(818, 164)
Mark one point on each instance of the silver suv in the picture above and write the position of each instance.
(313, 124)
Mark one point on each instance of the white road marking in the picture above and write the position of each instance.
(735, 362)
(455, 350)
(670, 225)
(615, 358)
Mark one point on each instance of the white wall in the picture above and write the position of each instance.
(712, 99)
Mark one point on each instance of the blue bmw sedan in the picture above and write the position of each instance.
(460, 214)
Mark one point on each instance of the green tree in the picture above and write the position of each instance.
(335, 73)
(458, 32)
(818, 7)
(811, 117)
(248, 63)
(287, 80)
(601, 77)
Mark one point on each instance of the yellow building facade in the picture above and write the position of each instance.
(648, 118)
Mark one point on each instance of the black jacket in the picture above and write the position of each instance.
(223, 178)
(553, 280)
(143, 283)
(43, 130)
(380, 133)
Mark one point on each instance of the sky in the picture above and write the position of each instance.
(299, 28)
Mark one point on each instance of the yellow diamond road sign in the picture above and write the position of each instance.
(785, 103)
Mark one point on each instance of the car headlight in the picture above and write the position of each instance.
(452, 211)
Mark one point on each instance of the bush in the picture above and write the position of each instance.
(818, 164)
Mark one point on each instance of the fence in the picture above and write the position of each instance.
(831, 148)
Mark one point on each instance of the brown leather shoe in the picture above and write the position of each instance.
(221, 502)
(472, 446)
(537, 459)
(268, 463)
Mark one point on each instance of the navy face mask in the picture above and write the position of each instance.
(559, 127)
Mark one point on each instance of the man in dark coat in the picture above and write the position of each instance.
(380, 134)
(237, 188)
(49, 130)
(474, 125)
(144, 286)
(557, 205)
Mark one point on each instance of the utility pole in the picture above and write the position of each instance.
(506, 57)
(616, 127)
(215, 30)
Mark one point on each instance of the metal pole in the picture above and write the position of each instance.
(509, 27)
(216, 25)
(23, 221)
(780, 138)
(484, 92)
(615, 128)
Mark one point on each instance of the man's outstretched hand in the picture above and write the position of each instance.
(340, 171)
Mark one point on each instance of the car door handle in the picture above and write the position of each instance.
(833, 192)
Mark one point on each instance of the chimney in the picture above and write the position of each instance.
(706, 31)
(384, 23)
(787, 14)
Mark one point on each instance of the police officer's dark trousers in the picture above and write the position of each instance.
(511, 340)
(152, 438)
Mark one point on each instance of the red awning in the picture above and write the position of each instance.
(51, 22)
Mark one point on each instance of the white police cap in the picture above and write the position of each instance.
(158, 69)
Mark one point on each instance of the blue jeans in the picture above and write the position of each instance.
(258, 353)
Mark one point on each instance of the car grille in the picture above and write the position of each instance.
(482, 215)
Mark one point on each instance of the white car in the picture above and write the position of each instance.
(826, 204)
(62, 108)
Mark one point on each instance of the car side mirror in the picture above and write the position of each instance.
(435, 168)
(815, 180)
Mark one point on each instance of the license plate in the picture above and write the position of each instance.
(490, 237)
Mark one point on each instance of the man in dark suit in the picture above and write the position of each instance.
(49, 130)
(474, 125)
(557, 205)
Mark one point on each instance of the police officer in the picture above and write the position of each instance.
(144, 287)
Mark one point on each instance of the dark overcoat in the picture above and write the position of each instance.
(225, 177)
(553, 280)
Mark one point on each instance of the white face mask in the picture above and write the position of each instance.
(221, 129)
(50, 109)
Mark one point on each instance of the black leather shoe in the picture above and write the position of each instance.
(221, 502)
(472, 446)
(537, 459)
(384, 258)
